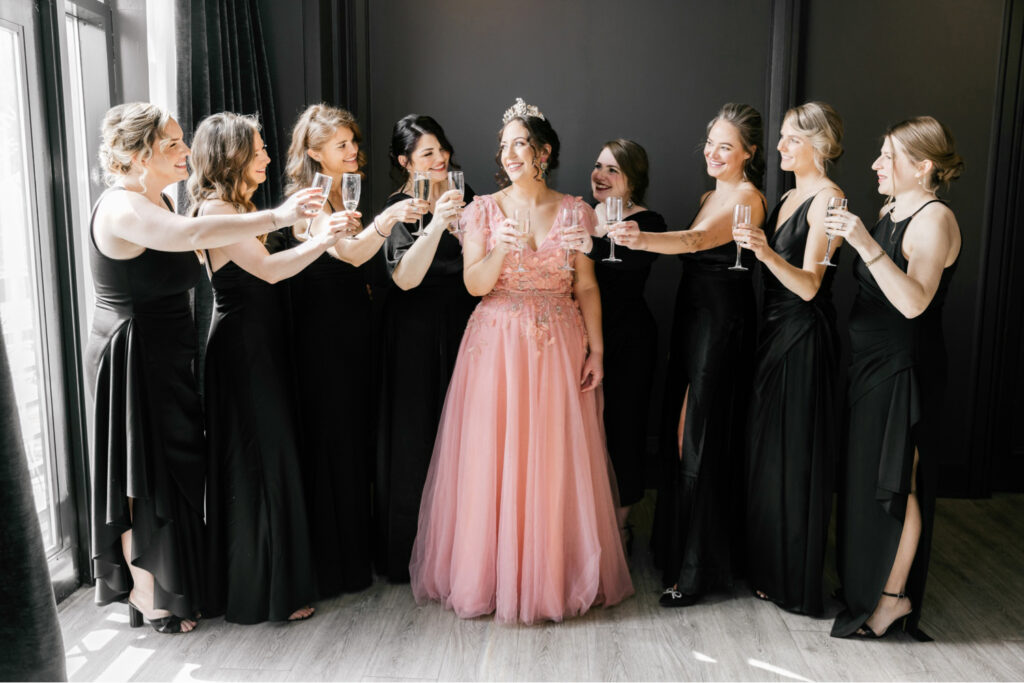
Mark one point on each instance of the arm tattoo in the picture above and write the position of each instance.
(691, 239)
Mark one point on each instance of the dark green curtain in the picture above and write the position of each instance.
(32, 647)
(222, 66)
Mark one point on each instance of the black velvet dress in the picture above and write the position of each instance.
(630, 355)
(261, 559)
(698, 526)
(329, 345)
(422, 329)
(897, 390)
(792, 434)
(147, 427)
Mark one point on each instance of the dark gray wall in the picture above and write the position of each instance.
(655, 72)
(879, 62)
(650, 71)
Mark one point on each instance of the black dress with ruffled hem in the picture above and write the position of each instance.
(896, 394)
(147, 427)
(792, 437)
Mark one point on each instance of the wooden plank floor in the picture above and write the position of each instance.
(974, 610)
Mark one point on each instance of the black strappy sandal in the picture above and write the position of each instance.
(169, 625)
(866, 631)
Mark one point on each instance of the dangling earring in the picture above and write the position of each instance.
(629, 203)
(543, 170)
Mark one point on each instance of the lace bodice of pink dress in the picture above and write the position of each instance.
(518, 512)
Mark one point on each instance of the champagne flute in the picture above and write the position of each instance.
(522, 219)
(351, 184)
(569, 218)
(420, 190)
(612, 215)
(834, 204)
(456, 181)
(740, 216)
(324, 182)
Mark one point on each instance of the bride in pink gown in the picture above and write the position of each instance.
(517, 516)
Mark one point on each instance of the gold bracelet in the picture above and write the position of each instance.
(869, 263)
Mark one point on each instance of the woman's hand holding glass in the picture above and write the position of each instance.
(406, 211)
(347, 223)
(750, 237)
(447, 211)
(842, 223)
(507, 237)
(303, 205)
(336, 229)
(626, 234)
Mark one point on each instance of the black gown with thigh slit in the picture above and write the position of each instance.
(329, 347)
(896, 395)
(422, 330)
(147, 427)
(698, 524)
(792, 436)
(260, 551)
(630, 355)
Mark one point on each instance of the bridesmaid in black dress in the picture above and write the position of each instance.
(424, 318)
(897, 381)
(630, 333)
(331, 312)
(698, 519)
(792, 435)
(148, 451)
(261, 560)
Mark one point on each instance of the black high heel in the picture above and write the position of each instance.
(170, 625)
(134, 616)
(866, 631)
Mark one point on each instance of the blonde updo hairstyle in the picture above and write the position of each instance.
(823, 128)
(315, 127)
(130, 131)
(222, 149)
(924, 138)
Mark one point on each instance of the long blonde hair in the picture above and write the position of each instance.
(313, 129)
(130, 129)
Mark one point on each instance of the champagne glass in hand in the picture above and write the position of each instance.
(456, 181)
(834, 204)
(522, 218)
(740, 217)
(323, 182)
(612, 215)
(569, 218)
(420, 190)
(351, 184)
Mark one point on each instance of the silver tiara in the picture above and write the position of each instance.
(521, 110)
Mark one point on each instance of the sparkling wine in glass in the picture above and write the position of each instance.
(456, 181)
(834, 204)
(522, 219)
(569, 217)
(740, 216)
(324, 182)
(420, 190)
(612, 215)
(351, 184)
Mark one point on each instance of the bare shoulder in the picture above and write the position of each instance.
(217, 207)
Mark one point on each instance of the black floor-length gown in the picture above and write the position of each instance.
(896, 395)
(422, 330)
(630, 355)
(792, 435)
(330, 316)
(698, 527)
(147, 426)
(261, 558)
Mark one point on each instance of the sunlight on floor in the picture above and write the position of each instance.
(700, 657)
(776, 670)
(126, 664)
